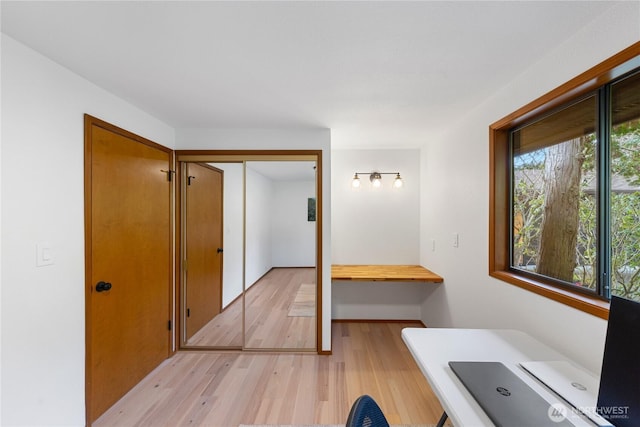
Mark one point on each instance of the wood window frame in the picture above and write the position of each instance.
(499, 178)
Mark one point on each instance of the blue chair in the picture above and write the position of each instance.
(365, 412)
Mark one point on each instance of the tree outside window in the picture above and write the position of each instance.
(575, 193)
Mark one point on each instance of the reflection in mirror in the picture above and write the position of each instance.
(267, 299)
(280, 255)
(224, 330)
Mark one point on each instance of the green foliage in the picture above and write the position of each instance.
(625, 245)
(587, 267)
(528, 208)
(625, 151)
(625, 212)
(528, 211)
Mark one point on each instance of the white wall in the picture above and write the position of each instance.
(43, 313)
(279, 139)
(378, 300)
(455, 180)
(376, 226)
(293, 236)
(233, 237)
(278, 233)
(259, 211)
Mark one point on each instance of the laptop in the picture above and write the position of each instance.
(505, 398)
(619, 393)
(575, 385)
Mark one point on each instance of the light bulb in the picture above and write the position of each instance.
(397, 183)
(356, 181)
(376, 179)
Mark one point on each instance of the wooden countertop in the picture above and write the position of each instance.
(384, 273)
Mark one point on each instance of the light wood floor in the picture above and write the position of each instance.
(228, 389)
(267, 321)
(268, 324)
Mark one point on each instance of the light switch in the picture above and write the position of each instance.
(44, 254)
(455, 240)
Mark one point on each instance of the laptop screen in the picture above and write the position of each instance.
(619, 392)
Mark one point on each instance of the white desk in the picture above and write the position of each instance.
(433, 348)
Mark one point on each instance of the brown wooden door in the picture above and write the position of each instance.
(128, 235)
(203, 288)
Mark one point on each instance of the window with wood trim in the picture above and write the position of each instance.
(565, 189)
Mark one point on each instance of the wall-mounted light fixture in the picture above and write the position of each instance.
(376, 179)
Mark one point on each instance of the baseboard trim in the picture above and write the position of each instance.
(232, 302)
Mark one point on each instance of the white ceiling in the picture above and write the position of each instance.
(378, 74)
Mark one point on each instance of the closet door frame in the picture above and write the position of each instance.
(241, 156)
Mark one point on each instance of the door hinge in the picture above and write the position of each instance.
(169, 325)
(169, 174)
(188, 312)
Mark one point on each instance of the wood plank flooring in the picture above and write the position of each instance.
(267, 321)
(224, 330)
(228, 389)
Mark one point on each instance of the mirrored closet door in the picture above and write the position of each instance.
(280, 255)
(248, 252)
(212, 264)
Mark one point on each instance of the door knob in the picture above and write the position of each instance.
(103, 286)
(220, 250)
